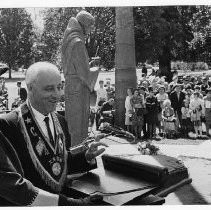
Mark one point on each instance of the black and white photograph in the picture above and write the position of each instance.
(105, 103)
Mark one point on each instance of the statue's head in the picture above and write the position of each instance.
(86, 21)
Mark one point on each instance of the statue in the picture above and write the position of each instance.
(79, 79)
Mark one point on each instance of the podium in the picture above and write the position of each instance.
(117, 189)
(118, 180)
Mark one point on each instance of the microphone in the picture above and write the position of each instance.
(115, 129)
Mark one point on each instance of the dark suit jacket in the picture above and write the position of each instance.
(175, 102)
(19, 179)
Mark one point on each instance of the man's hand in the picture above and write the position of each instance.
(93, 150)
(94, 62)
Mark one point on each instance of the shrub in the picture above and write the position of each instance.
(180, 65)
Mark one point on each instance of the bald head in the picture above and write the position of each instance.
(38, 69)
(43, 82)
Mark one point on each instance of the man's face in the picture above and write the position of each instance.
(129, 92)
(204, 81)
(188, 91)
(141, 91)
(161, 90)
(151, 93)
(185, 81)
(199, 79)
(108, 84)
(145, 84)
(46, 92)
(111, 102)
(195, 96)
(178, 89)
(135, 93)
(101, 84)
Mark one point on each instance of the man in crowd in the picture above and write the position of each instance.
(34, 147)
(185, 82)
(3, 88)
(144, 69)
(204, 86)
(101, 93)
(110, 90)
(107, 111)
(22, 93)
(177, 97)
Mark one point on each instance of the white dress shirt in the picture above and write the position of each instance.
(40, 120)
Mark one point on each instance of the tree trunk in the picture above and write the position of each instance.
(125, 70)
(165, 64)
(10, 72)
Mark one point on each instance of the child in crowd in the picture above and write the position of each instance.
(188, 92)
(196, 112)
(169, 120)
(207, 105)
(152, 113)
(186, 122)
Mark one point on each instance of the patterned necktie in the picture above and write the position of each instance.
(49, 130)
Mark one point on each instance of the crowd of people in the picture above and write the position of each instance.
(154, 109)
(104, 106)
(3, 94)
(158, 109)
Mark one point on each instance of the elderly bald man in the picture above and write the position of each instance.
(34, 147)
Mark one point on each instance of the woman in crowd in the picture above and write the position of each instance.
(128, 110)
(186, 122)
(197, 89)
(169, 120)
(161, 97)
(196, 112)
(207, 105)
(138, 105)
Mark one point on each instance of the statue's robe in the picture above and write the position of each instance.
(79, 81)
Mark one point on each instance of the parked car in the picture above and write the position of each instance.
(3, 68)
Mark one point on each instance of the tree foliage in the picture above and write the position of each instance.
(55, 23)
(16, 37)
(103, 35)
(162, 33)
(200, 46)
